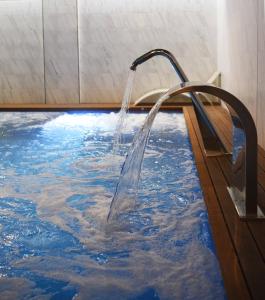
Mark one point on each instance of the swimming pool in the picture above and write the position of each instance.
(58, 176)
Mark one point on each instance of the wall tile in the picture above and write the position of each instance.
(241, 55)
(61, 51)
(112, 34)
(261, 74)
(237, 49)
(21, 52)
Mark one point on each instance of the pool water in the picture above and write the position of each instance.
(57, 178)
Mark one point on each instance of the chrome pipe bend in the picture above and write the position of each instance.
(247, 193)
(213, 144)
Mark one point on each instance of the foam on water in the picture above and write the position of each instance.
(56, 187)
(126, 191)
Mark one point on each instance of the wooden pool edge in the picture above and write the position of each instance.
(240, 245)
(91, 106)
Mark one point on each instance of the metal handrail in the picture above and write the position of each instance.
(244, 197)
(213, 144)
(242, 189)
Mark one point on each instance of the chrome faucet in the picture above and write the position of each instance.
(213, 144)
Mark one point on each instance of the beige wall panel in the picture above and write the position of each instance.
(261, 75)
(237, 49)
(61, 51)
(21, 52)
(113, 33)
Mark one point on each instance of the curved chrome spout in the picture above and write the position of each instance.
(161, 52)
(213, 144)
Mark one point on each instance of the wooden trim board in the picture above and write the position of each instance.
(240, 245)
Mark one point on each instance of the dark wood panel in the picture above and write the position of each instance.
(246, 247)
(257, 228)
(72, 106)
(233, 276)
(249, 255)
(247, 238)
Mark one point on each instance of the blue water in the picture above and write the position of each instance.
(57, 179)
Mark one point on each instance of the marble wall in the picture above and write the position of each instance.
(112, 35)
(69, 51)
(241, 54)
(21, 52)
(261, 73)
(61, 51)
(237, 49)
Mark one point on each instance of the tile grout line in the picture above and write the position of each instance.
(44, 61)
(257, 61)
(78, 52)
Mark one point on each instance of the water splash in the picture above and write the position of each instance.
(123, 112)
(126, 191)
(54, 202)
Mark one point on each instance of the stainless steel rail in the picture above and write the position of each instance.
(243, 188)
(213, 144)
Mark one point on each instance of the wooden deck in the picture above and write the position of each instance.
(240, 244)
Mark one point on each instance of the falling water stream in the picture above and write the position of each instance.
(123, 112)
(126, 191)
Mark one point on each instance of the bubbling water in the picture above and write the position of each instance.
(56, 191)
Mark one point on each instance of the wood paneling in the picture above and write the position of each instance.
(233, 277)
(242, 251)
